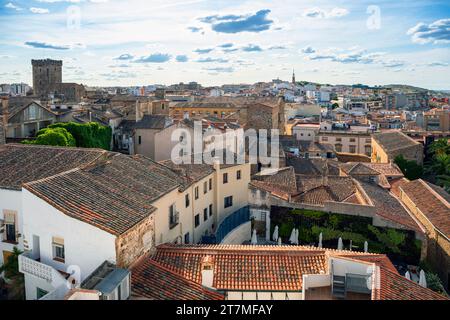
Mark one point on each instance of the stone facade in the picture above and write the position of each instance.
(47, 75)
(135, 242)
(47, 79)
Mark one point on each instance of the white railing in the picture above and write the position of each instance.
(35, 268)
(27, 265)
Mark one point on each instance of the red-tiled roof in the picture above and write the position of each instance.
(154, 281)
(433, 205)
(265, 268)
(259, 268)
(393, 286)
(113, 195)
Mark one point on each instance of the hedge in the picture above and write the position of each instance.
(88, 135)
(53, 137)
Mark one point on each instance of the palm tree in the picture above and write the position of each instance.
(440, 146)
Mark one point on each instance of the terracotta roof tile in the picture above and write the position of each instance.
(433, 205)
(152, 280)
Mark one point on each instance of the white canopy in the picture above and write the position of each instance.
(254, 238)
(275, 234)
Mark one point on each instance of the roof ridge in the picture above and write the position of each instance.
(437, 195)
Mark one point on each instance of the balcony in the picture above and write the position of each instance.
(27, 265)
(348, 280)
(57, 279)
(174, 219)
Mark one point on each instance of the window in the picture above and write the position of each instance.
(338, 147)
(228, 202)
(9, 234)
(187, 200)
(352, 140)
(325, 138)
(210, 210)
(58, 249)
(197, 220)
(196, 193)
(205, 187)
(40, 293)
(186, 238)
(338, 139)
(225, 178)
(238, 175)
(210, 183)
(368, 140)
(173, 216)
(205, 214)
(140, 140)
(368, 150)
(352, 149)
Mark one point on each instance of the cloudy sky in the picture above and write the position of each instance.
(139, 42)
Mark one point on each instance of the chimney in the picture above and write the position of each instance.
(207, 268)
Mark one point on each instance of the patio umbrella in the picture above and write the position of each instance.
(422, 279)
(254, 238)
(275, 234)
(366, 246)
(292, 237)
(296, 236)
(279, 241)
(340, 244)
(408, 275)
(320, 240)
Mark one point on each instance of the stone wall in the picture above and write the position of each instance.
(135, 242)
(2, 132)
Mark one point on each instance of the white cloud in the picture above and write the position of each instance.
(436, 32)
(11, 5)
(318, 13)
(39, 10)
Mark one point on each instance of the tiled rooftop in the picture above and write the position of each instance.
(25, 163)
(388, 206)
(432, 204)
(394, 140)
(113, 195)
(152, 280)
(256, 268)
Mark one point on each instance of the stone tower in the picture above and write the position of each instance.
(293, 76)
(47, 76)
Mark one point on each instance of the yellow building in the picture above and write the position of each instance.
(386, 146)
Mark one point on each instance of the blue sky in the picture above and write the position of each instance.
(138, 42)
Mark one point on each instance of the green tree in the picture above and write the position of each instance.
(410, 169)
(88, 135)
(53, 137)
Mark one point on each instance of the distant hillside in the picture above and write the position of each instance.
(405, 87)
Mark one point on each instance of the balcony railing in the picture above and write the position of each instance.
(28, 265)
(174, 219)
(35, 268)
(231, 222)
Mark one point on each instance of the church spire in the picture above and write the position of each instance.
(293, 76)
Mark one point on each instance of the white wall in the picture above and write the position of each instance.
(239, 234)
(85, 245)
(11, 200)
